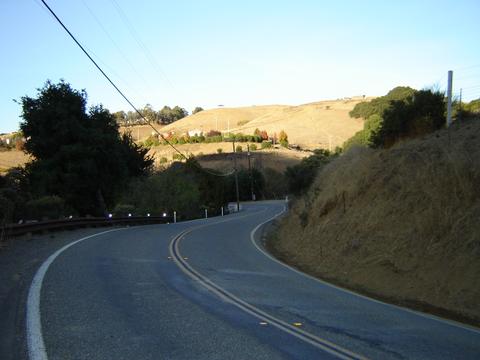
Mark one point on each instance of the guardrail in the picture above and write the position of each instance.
(64, 224)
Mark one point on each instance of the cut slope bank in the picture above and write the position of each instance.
(401, 224)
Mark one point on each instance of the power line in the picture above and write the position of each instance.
(119, 91)
(116, 45)
(139, 41)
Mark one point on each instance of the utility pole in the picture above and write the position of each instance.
(251, 173)
(236, 175)
(449, 98)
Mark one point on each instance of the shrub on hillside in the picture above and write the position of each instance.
(389, 120)
(184, 187)
(275, 184)
(266, 145)
(300, 176)
(151, 141)
(46, 207)
(177, 157)
(378, 105)
(245, 181)
(253, 147)
(283, 138)
(123, 210)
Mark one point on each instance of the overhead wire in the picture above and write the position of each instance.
(120, 51)
(122, 94)
(143, 47)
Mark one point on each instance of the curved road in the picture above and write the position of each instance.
(206, 290)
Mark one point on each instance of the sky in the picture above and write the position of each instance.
(236, 53)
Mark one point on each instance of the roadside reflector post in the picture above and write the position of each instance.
(174, 217)
(449, 98)
(206, 214)
(222, 210)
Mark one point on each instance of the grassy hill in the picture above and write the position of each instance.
(401, 224)
(321, 124)
(324, 124)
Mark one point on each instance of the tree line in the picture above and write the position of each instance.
(215, 136)
(165, 116)
(405, 113)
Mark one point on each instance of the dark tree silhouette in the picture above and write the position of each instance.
(77, 155)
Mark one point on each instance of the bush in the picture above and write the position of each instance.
(213, 133)
(238, 148)
(283, 138)
(300, 176)
(163, 160)
(122, 210)
(380, 104)
(46, 207)
(266, 145)
(245, 181)
(275, 184)
(219, 150)
(177, 157)
(182, 187)
(253, 147)
(20, 145)
(402, 113)
(151, 141)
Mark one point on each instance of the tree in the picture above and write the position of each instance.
(283, 138)
(380, 104)
(197, 110)
(120, 117)
(179, 113)
(149, 113)
(300, 176)
(78, 156)
(402, 113)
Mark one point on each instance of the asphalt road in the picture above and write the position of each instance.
(205, 290)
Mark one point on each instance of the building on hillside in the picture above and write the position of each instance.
(195, 132)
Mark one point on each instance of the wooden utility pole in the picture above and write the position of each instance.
(236, 175)
(251, 172)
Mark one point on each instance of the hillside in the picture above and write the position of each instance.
(321, 124)
(12, 158)
(400, 224)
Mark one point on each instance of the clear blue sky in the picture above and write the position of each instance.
(205, 53)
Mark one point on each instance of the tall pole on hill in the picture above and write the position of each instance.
(449, 98)
(236, 175)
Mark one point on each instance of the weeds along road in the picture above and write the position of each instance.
(205, 290)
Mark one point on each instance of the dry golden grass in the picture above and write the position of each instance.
(12, 158)
(316, 125)
(277, 159)
(402, 223)
(140, 132)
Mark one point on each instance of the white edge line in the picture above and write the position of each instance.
(35, 344)
(422, 314)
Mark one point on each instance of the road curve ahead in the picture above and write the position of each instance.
(206, 290)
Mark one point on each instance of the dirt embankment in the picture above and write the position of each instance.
(401, 224)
